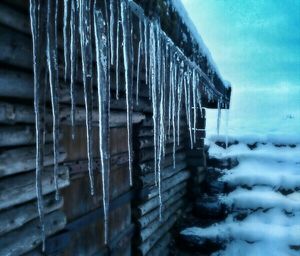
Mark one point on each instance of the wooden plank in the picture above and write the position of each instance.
(19, 135)
(116, 118)
(17, 113)
(146, 219)
(148, 166)
(169, 183)
(28, 236)
(161, 247)
(154, 202)
(21, 188)
(146, 232)
(149, 243)
(22, 159)
(16, 48)
(149, 179)
(17, 216)
(148, 153)
(15, 19)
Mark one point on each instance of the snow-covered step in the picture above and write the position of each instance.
(252, 172)
(267, 151)
(261, 198)
(261, 237)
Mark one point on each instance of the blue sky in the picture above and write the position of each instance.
(253, 42)
(256, 46)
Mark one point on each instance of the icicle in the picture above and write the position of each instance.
(103, 108)
(199, 102)
(117, 50)
(146, 48)
(189, 85)
(35, 26)
(138, 62)
(219, 117)
(53, 81)
(170, 91)
(73, 55)
(179, 95)
(227, 125)
(194, 102)
(128, 78)
(174, 112)
(111, 30)
(160, 111)
(86, 55)
(153, 84)
(66, 36)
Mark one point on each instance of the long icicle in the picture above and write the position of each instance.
(227, 126)
(73, 60)
(170, 91)
(153, 84)
(53, 80)
(118, 50)
(112, 30)
(219, 117)
(36, 43)
(86, 53)
(103, 108)
(161, 63)
(179, 95)
(66, 27)
(139, 63)
(189, 106)
(146, 49)
(194, 102)
(128, 78)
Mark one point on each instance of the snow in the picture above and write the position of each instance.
(260, 114)
(250, 172)
(263, 136)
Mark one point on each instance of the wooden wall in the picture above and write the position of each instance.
(74, 224)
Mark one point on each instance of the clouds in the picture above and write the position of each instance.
(252, 41)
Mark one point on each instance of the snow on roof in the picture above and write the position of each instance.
(180, 9)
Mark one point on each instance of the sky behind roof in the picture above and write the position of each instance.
(253, 42)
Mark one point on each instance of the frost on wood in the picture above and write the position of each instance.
(106, 32)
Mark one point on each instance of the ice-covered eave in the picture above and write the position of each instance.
(181, 30)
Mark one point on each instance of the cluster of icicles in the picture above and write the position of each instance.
(172, 78)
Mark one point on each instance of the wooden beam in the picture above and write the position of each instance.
(29, 236)
(16, 217)
(22, 159)
(21, 188)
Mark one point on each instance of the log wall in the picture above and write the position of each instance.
(74, 224)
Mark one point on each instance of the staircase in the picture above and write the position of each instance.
(250, 203)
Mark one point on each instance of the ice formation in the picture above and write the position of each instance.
(97, 33)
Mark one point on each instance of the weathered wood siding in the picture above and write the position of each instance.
(74, 224)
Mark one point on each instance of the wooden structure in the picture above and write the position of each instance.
(74, 223)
